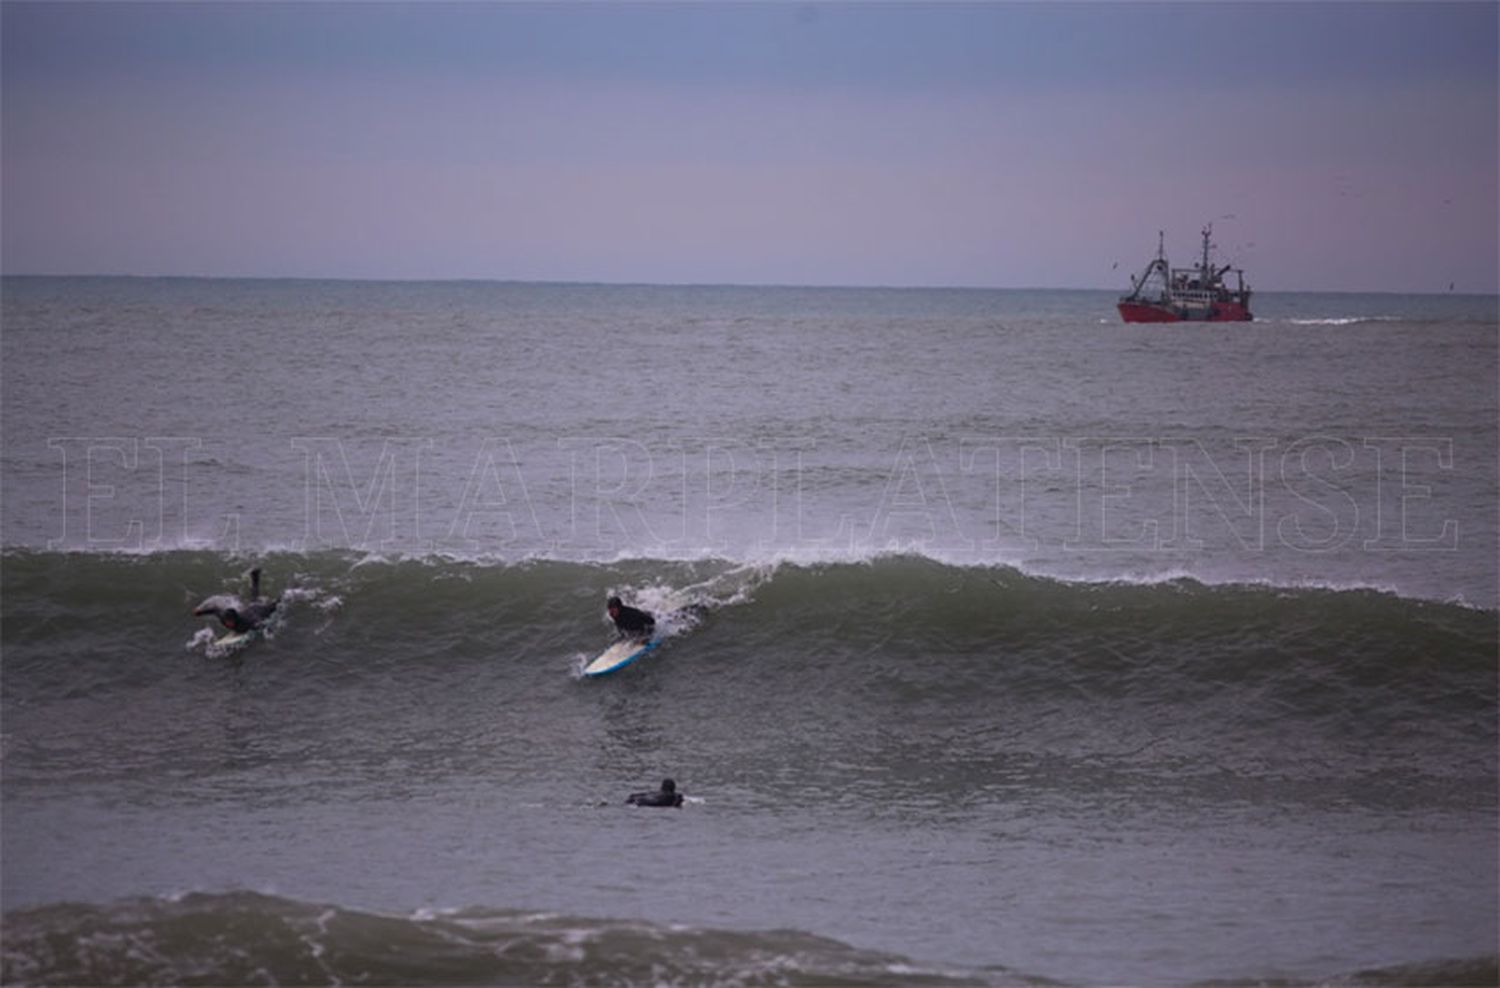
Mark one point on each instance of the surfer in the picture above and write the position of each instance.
(667, 795)
(629, 621)
(237, 615)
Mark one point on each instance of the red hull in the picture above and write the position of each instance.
(1146, 312)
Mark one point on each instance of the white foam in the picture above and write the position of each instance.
(1342, 320)
(201, 639)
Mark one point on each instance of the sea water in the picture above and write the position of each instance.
(1004, 642)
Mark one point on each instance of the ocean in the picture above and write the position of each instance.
(1003, 643)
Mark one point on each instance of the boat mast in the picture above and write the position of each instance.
(1160, 265)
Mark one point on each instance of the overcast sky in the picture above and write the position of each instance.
(1348, 146)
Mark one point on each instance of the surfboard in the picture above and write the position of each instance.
(234, 639)
(618, 656)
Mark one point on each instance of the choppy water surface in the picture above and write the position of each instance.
(1004, 643)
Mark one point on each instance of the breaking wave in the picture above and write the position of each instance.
(245, 938)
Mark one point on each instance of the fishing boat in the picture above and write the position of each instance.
(1166, 294)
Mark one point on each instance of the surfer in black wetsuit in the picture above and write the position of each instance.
(630, 622)
(237, 615)
(667, 795)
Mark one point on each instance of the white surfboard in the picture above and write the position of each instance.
(234, 639)
(618, 656)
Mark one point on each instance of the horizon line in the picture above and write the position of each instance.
(359, 279)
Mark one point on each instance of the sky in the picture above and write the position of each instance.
(1348, 146)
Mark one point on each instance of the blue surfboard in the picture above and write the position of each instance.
(618, 656)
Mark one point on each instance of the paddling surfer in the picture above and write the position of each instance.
(630, 622)
(237, 615)
(667, 795)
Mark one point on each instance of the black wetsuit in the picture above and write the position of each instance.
(251, 617)
(667, 795)
(634, 623)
